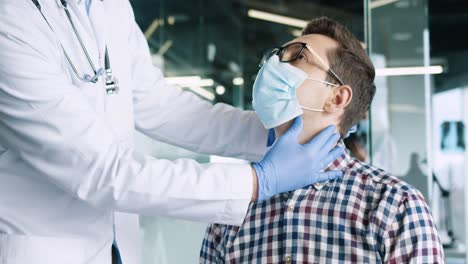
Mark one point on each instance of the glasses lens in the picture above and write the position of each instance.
(267, 55)
(291, 52)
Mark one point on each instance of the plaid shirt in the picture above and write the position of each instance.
(368, 216)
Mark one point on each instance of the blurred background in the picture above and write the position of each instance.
(414, 129)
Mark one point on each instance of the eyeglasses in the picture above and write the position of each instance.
(294, 51)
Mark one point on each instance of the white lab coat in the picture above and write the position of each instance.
(67, 160)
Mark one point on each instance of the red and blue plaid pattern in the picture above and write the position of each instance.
(368, 216)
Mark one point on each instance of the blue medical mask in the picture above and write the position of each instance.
(274, 92)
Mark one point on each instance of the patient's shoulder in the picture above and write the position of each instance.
(380, 180)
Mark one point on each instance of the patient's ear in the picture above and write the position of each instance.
(340, 99)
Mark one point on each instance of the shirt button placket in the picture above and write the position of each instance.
(289, 229)
(318, 186)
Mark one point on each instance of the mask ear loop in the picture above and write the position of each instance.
(317, 80)
(312, 109)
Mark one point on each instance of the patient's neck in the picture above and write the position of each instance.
(312, 126)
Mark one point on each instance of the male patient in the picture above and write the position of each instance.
(368, 215)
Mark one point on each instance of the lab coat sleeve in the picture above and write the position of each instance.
(48, 123)
(168, 114)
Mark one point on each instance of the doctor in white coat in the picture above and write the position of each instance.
(71, 182)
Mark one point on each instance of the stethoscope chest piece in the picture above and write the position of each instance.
(112, 84)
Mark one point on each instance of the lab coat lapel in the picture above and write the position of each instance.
(98, 23)
(85, 28)
(63, 34)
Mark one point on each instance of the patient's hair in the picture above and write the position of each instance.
(351, 63)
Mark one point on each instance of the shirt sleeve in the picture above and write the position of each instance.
(181, 118)
(412, 236)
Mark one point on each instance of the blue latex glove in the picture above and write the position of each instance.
(289, 165)
(271, 137)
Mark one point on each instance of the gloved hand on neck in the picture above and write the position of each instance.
(289, 165)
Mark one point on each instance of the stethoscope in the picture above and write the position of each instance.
(112, 84)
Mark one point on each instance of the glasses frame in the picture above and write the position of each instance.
(280, 50)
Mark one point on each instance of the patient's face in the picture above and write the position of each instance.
(313, 94)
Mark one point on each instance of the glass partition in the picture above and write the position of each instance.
(399, 113)
(419, 114)
(450, 114)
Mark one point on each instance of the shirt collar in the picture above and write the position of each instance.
(341, 162)
(338, 164)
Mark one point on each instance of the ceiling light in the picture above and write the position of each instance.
(152, 28)
(171, 20)
(380, 3)
(165, 47)
(180, 80)
(189, 81)
(409, 71)
(193, 83)
(238, 81)
(206, 82)
(275, 18)
(402, 36)
(202, 92)
(220, 89)
(296, 32)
